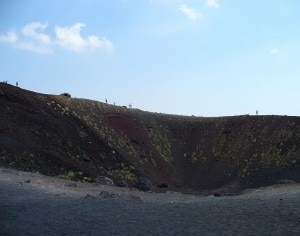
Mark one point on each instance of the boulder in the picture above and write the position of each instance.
(134, 198)
(122, 183)
(162, 185)
(285, 181)
(105, 194)
(82, 134)
(86, 158)
(104, 180)
(74, 185)
(66, 95)
(143, 184)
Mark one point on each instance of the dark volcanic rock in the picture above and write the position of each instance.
(74, 185)
(143, 184)
(104, 180)
(286, 181)
(162, 185)
(122, 183)
(105, 194)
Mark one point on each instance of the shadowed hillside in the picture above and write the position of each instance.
(82, 139)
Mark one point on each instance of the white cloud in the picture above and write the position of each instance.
(274, 50)
(190, 12)
(10, 37)
(30, 30)
(70, 38)
(34, 39)
(212, 3)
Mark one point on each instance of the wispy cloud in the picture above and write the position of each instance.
(212, 3)
(274, 51)
(190, 12)
(10, 37)
(33, 38)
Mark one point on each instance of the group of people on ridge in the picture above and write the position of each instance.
(6, 82)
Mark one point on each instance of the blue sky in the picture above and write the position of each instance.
(190, 57)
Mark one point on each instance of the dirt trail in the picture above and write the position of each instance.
(32, 204)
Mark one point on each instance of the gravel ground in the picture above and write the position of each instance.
(32, 204)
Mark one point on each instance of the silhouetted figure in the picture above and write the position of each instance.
(106, 101)
(17, 84)
(256, 112)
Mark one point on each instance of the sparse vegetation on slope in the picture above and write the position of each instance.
(83, 139)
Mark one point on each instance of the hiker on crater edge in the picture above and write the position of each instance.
(17, 84)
